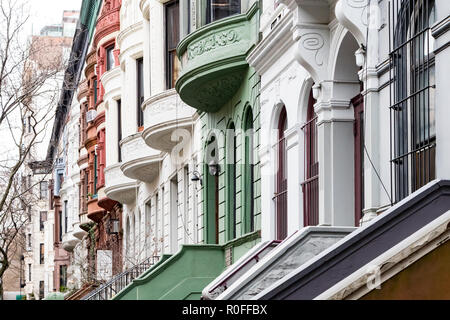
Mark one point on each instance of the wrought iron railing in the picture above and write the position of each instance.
(110, 288)
(310, 187)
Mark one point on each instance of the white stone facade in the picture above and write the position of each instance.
(330, 47)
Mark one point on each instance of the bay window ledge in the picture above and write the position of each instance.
(139, 161)
(119, 187)
(166, 118)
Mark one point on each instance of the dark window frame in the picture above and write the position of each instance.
(170, 50)
(42, 219)
(413, 143)
(43, 190)
(109, 52)
(63, 276)
(41, 253)
(140, 90)
(119, 129)
(209, 11)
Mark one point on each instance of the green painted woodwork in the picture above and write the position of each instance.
(233, 111)
(213, 60)
(88, 15)
(210, 216)
(217, 80)
(182, 276)
(55, 296)
(231, 181)
(241, 245)
(248, 167)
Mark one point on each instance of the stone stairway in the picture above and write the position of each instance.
(284, 259)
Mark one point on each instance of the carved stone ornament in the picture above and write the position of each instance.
(212, 42)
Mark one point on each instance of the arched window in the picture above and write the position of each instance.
(412, 96)
(211, 190)
(310, 186)
(231, 179)
(248, 196)
(280, 196)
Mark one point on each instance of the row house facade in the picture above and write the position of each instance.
(273, 149)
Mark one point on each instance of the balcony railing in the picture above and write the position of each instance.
(310, 187)
(110, 288)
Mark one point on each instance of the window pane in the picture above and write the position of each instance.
(172, 39)
(218, 9)
(109, 58)
(140, 91)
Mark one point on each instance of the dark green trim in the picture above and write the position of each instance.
(182, 46)
(248, 176)
(230, 184)
(243, 239)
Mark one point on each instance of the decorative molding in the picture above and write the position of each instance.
(441, 27)
(221, 89)
(212, 42)
(269, 50)
(353, 15)
(312, 49)
(313, 41)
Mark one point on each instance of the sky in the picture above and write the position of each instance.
(47, 12)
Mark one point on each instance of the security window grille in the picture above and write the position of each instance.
(172, 39)
(109, 57)
(280, 196)
(41, 253)
(43, 188)
(140, 91)
(310, 187)
(413, 136)
(218, 9)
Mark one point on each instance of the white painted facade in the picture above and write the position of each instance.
(161, 207)
(318, 46)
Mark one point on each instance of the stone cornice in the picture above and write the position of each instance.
(144, 5)
(127, 31)
(82, 90)
(107, 23)
(90, 142)
(158, 96)
(91, 61)
(100, 118)
(273, 46)
(441, 27)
